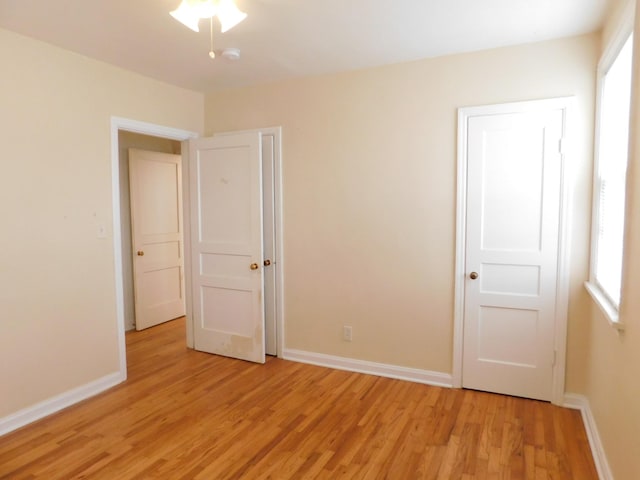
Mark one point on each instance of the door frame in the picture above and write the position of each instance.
(564, 232)
(144, 128)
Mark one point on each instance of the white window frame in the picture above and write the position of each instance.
(613, 49)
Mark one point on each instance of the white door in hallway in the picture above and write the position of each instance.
(514, 166)
(156, 225)
(225, 188)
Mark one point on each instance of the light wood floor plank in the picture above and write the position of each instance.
(188, 415)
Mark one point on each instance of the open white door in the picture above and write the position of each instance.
(156, 224)
(225, 185)
(514, 165)
(270, 193)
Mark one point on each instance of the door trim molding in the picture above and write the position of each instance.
(134, 126)
(563, 272)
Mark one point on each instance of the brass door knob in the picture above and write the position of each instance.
(267, 263)
(140, 253)
(253, 266)
(473, 275)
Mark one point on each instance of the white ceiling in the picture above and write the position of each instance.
(289, 38)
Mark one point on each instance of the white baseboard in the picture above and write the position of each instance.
(54, 404)
(372, 368)
(580, 402)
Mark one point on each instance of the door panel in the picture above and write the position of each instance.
(226, 245)
(156, 223)
(228, 201)
(513, 205)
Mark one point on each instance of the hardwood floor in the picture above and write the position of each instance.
(189, 415)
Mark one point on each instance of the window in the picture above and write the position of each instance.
(612, 135)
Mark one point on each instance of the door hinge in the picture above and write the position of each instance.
(562, 146)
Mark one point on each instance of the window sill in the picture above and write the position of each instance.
(608, 309)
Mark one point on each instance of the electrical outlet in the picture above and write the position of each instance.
(347, 333)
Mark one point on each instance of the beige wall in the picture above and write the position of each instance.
(369, 193)
(613, 358)
(127, 140)
(57, 299)
(369, 189)
(369, 211)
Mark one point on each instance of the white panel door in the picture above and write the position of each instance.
(513, 206)
(156, 225)
(226, 245)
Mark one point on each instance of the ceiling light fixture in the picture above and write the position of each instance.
(232, 54)
(189, 13)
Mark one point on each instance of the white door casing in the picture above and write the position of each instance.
(511, 319)
(124, 124)
(226, 241)
(156, 226)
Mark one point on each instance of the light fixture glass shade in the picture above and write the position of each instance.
(229, 15)
(186, 15)
(203, 8)
(190, 12)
